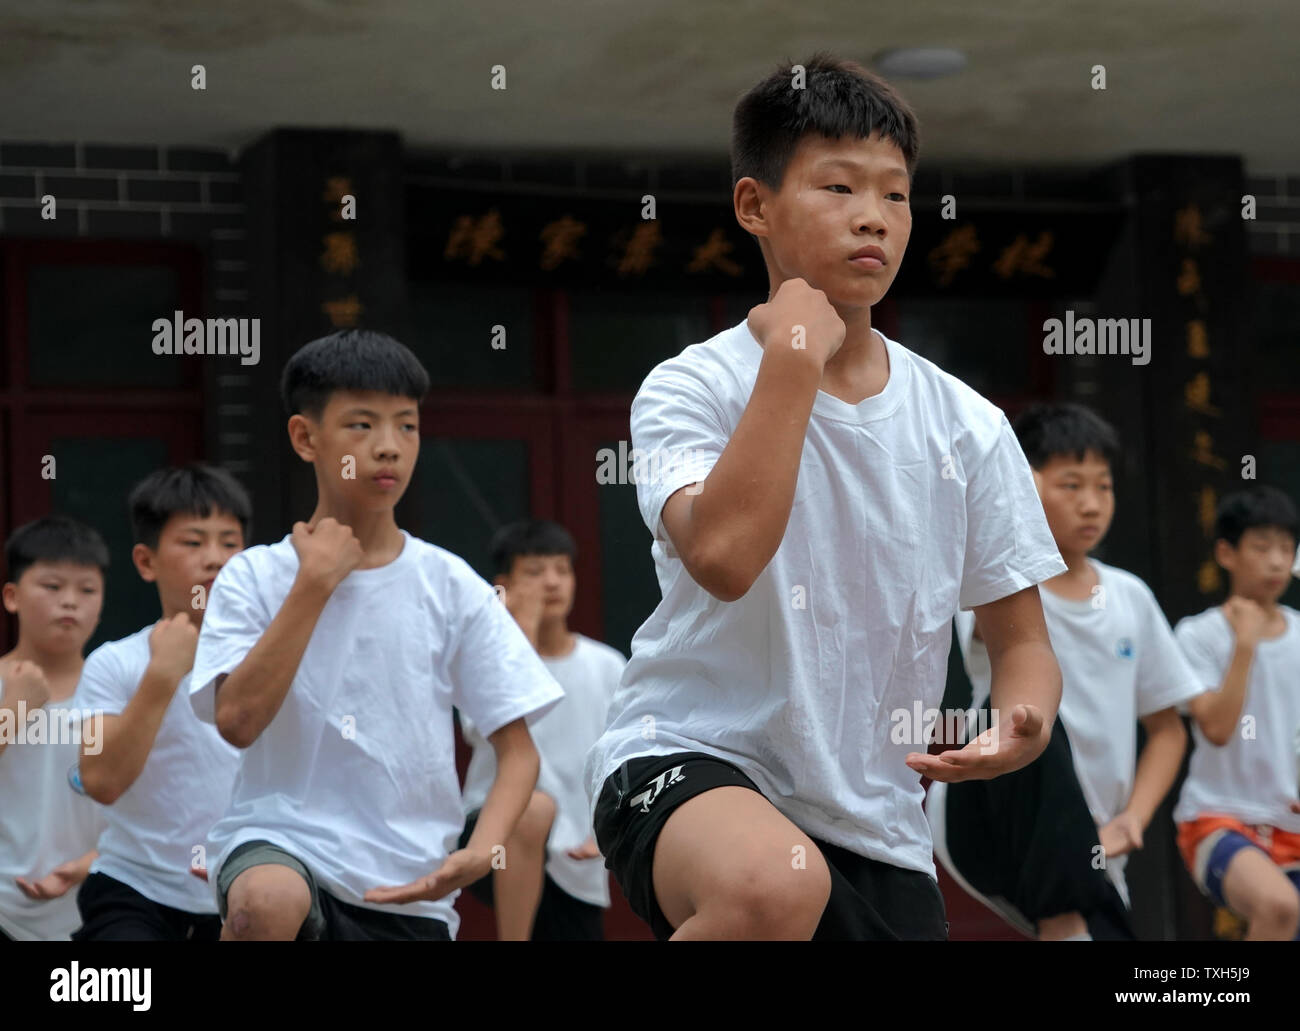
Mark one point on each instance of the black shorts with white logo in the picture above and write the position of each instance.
(869, 900)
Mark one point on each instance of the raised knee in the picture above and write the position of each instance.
(534, 826)
(267, 914)
(778, 904)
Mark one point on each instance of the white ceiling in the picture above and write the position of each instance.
(1186, 76)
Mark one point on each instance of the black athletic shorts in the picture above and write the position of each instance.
(1027, 841)
(115, 912)
(560, 917)
(869, 900)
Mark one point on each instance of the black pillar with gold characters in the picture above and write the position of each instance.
(1191, 278)
(326, 251)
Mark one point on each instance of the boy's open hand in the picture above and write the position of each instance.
(54, 884)
(172, 643)
(1247, 619)
(327, 552)
(795, 303)
(1121, 836)
(998, 750)
(458, 869)
(26, 683)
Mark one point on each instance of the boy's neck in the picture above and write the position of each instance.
(62, 669)
(380, 536)
(860, 368)
(554, 640)
(1077, 581)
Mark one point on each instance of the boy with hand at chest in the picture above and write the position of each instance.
(1238, 814)
(163, 775)
(1045, 847)
(333, 658)
(558, 888)
(48, 829)
(825, 500)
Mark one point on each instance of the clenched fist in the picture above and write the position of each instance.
(797, 305)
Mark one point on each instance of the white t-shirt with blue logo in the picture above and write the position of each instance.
(1119, 662)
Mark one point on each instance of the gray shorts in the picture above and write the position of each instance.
(263, 853)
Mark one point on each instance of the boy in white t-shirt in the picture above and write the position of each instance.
(1238, 814)
(555, 888)
(822, 500)
(334, 658)
(1045, 848)
(163, 775)
(48, 828)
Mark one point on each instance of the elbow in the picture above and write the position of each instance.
(720, 575)
(234, 728)
(97, 785)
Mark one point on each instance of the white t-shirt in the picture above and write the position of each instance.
(154, 827)
(356, 774)
(1254, 776)
(908, 505)
(589, 675)
(43, 824)
(1119, 663)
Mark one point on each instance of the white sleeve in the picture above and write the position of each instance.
(234, 621)
(677, 436)
(103, 687)
(1207, 667)
(496, 675)
(1164, 678)
(1008, 544)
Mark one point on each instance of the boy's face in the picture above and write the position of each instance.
(1079, 499)
(191, 551)
(1260, 565)
(57, 604)
(553, 574)
(364, 447)
(837, 198)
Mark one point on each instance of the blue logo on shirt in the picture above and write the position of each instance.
(1124, 649)
(74, 778)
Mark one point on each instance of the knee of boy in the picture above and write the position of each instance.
(535, 825)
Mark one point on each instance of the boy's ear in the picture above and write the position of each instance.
(143, 558)
(1225, 554)
(11, 597)
(301, 430)
(748, 200)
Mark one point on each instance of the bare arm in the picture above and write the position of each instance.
(248, 698)
(1025, 694)
(518, 765)
(1217, 712)
(728, 531)
(1158, 765)
(126, 740)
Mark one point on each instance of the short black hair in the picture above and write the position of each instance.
(838, 98)
(1064, 429)
(54, 538)
(1255, 507)
(529, 537)
(194, 489)
(351, 359)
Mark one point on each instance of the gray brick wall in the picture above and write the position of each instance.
(1276, 229)
(176, 194)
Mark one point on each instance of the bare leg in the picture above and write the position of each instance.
(1258, 890)
(517, 887)
(728, 865)
(266, 903)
